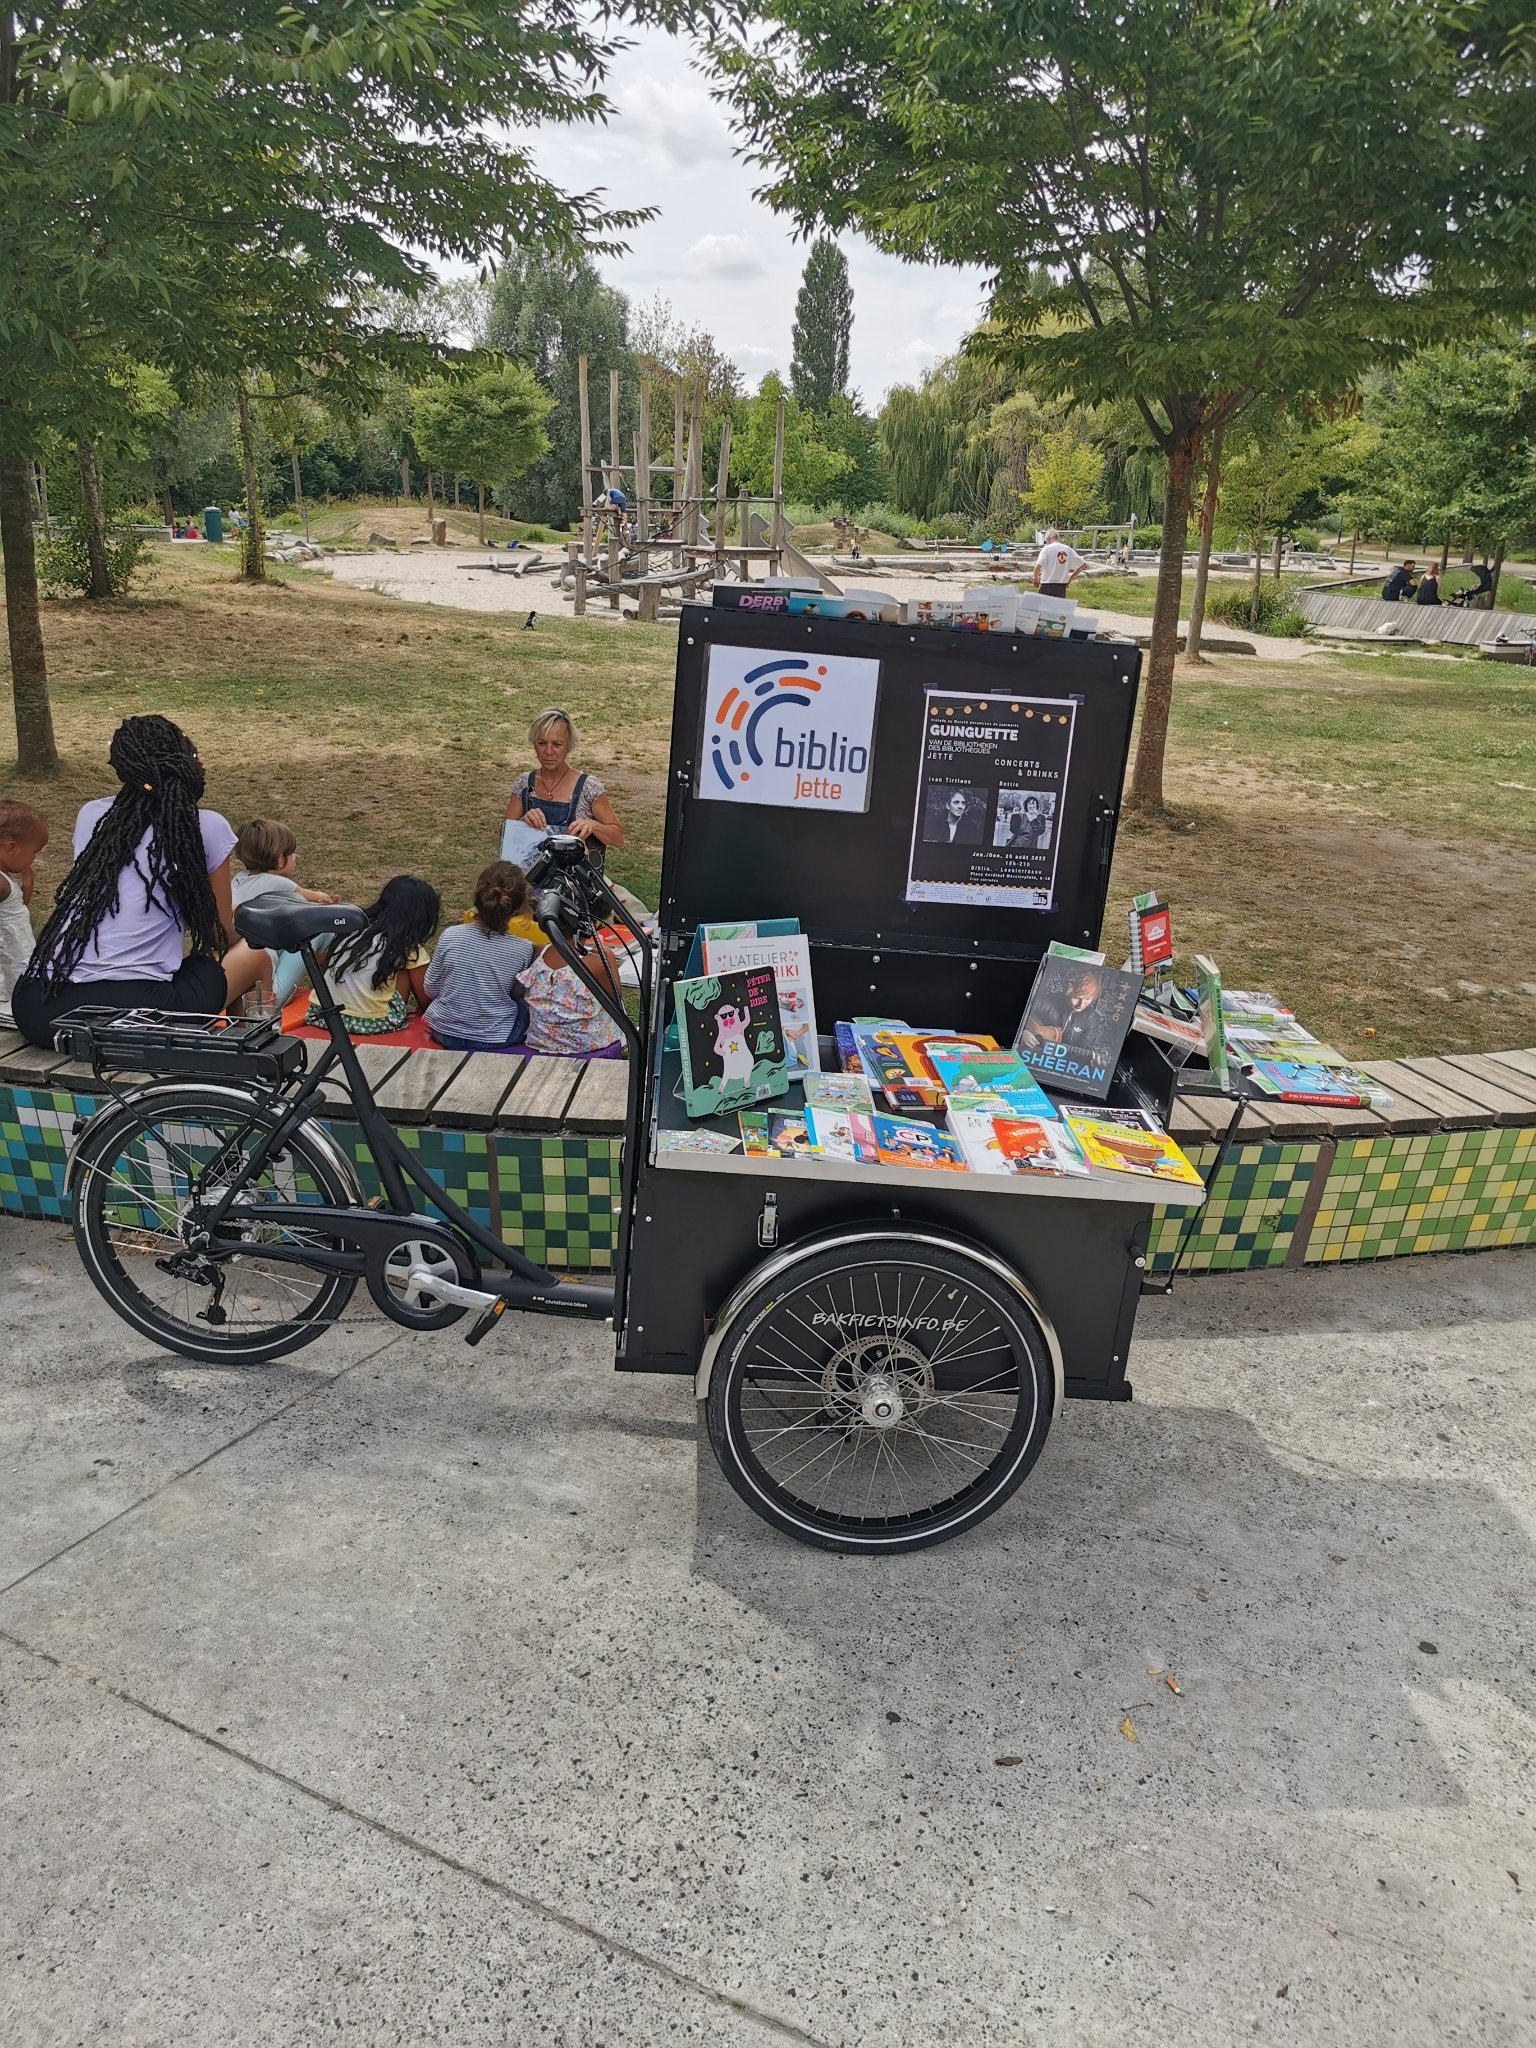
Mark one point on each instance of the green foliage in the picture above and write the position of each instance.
(1265, 609)
(813, 471)
(823, 324)
(1064, 479)
(487, 425)
(547, 311)
(853, 433)
(63, 565)
(1272, 470)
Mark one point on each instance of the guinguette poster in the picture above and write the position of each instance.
(991, 789)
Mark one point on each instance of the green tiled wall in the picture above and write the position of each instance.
(556, 1198)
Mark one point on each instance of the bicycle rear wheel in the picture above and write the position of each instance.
(143, 1180)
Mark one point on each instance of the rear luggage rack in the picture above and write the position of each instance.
(162, 1042)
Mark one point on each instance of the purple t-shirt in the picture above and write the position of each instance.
(144, 940)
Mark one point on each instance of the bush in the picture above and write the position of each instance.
(1233, 604)
(1149, 538)
(63, 565)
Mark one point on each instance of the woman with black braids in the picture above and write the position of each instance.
(142, 919)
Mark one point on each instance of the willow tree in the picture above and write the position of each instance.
(1188, 203)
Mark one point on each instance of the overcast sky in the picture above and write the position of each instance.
(724, 260)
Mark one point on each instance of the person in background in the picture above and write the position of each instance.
(143, 918)
(1399, 585)
(1057, 566)
(374, 972)
(557, 796)
(23, 835)
(563, 1014)
(269, 852)
(1429, 586)
(476, 1004)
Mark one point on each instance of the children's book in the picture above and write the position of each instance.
(789, 955)
(753, 1124)
(1330, 1085)
(1075, 1023)
(1155, 1022)
(1253, 1006)
(1121, 1148)
(994, 1141)
(966, 1070)
(899, 1060)
(1058, 949)
(847, 1052)
(730, 1041)
(1245, 1032)
(1133, 1119)
(839, 1091)
(1212, 1019)
(788, 1137)
(700, 1140)
(900, 1141)
(838, 1133)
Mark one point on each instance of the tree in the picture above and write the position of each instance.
(813, 472)
(296, 423)
(846, 428)
(1064, 480)
(1279, 462)
(226, 187)
(488, 425)
(1189, 205)
(823, 326)
(547, 312)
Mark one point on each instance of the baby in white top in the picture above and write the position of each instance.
(23, 835)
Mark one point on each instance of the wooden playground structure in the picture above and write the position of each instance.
(658, 550)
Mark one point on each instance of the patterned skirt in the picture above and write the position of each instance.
(393, 1019)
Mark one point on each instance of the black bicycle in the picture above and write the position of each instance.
(218, 1215)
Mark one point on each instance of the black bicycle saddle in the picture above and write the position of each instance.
(286, 926)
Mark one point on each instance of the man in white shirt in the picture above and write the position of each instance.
(1057, 566)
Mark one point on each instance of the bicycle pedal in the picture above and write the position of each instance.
(485, 1322)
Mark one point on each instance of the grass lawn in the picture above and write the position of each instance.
(1358, 833)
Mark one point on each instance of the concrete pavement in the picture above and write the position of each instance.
(409, 1694)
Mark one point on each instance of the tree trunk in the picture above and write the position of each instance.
(456, 494)
(1498, 569)
(42, 498)
(480, 508)
(1354, 542)
(1279, 544)
(166, 506)
(430, 507)
(298, 488)
(1203, 566)
(405, 478)
(1445, 555)
(36, 750)
(1258, 578)
(99, 585)
(1157, 700)
(253, 546)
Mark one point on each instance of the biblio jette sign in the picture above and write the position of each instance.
(789, 729)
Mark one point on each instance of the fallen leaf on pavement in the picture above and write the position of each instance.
(1128, 1729)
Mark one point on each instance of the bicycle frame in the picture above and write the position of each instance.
(530, 1286)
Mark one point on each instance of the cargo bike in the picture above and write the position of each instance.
(879, 1351)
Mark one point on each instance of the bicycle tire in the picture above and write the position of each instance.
(803, 1366)
(115, 1191)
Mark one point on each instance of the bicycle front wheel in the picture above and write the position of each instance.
(880, 1394)
(144, 1180)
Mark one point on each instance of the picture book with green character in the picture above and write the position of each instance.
(730, 1040)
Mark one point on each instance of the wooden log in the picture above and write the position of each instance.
(540, 1094)
(613, 429)
(415, 1085)
(722, 473)
(477, 1090)
(601, 1101)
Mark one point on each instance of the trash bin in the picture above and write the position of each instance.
(213, 523)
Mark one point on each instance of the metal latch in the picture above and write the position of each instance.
(768, 1222)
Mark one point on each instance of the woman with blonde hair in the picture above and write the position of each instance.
(562, 798)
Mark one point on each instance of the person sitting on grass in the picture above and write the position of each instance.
(562, 798)
(563, 1014)
(472, 981)
(375, 971)
(269, 852)
(143, 918)
(23, 835)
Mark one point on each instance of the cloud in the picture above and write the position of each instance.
(732, 256)
(675, 118)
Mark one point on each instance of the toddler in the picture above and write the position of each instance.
(270, 851)
(374, 972)
(23, 835)
(563, 1014)
(477, 1005)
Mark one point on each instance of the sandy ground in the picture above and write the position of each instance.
(446, 576)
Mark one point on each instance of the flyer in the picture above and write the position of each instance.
(991, 788)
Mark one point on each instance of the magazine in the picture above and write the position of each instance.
(789, 955)
(730, 1042)
(842, 1133)
(1120, 1148)
(901, 1142)
(994, 1141)
(1075, 1024)
(1252, 1006)
(839, 1091)
(1331, 1084)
